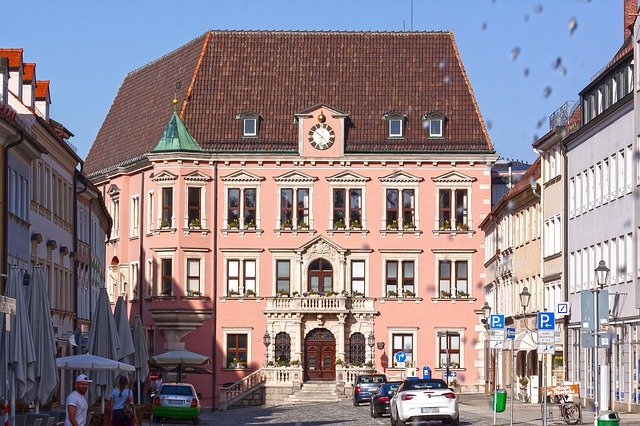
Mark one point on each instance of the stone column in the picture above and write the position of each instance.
(340, 341)
(298, 340)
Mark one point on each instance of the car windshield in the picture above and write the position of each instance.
(176, 390)
(390, 389)
(372, 379)
(424, 384)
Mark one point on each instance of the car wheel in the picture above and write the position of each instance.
(355, 403)
(392, 420)
(374, 413)
(154, 419)
(196, 421)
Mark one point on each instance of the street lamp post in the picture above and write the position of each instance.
(266, 340)
(486, 313)
(371, 341)
(525, 298)
(602, 276)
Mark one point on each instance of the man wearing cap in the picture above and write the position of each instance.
(76, 403)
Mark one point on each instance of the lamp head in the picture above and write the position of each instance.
(602, 274)
(486, 311)
(525, 297)
(266, 339)
(371, 340)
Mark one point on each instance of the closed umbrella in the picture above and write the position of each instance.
(141, 355)
(124, 331)
(43, 338)
(22, 355)
(103, 342)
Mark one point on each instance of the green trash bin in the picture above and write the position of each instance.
(499, 400)
(611, 418)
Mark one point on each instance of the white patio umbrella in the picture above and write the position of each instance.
(22, 356)
(124, 330)
(179, 358)
(104, 342)
(141, 354)
(43, 339)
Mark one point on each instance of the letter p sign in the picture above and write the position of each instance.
(496, 321)
(546, 321)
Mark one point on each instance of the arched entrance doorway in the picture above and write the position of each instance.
(320, 276)
(320, 355)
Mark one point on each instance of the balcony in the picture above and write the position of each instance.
(320, 304)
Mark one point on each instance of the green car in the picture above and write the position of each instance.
(176, 401)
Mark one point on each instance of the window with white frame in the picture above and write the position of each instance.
(552, 236)
(167, 208)
(194, 206)
(553, 295)
(400, 208)
(613, 177)
(453, 279)
(135, 216)
(150, 278)
(434, 123)
(628, 163)
(294, 208)
(400, 278)
(396, 128)
(358, 277)
(449, 348)
(166, 278)
(283, 276)
(347, 201)
(237, 347)
(572, 197)
(241, 277)
(150, 210)
(403, 343)
(250, 127)
(134, 279)
(114, 194)
(241, 208)
(621, 173)
(194, 277)
(453, 202)
(598, 184)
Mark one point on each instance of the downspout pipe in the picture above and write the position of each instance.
(78, 177)
(5, 200)
(214, 298)
(141, 262)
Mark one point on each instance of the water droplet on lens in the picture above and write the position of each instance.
(442, 65)
(425, 124)
(489, 124)
(556, 63)
(573, 24)
(538, 8)
(447, 80)
(546, 92)
(525, 72)
(563, 71)
(564, 133)
(535, 138)
(541, 122)
(511, 205)
(514, 53)
(526, 18)
(483, 25)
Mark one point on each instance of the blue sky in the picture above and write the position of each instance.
(85, 48)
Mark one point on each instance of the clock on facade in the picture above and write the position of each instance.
(321, 136)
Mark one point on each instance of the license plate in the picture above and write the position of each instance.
(175, 402)
(429, 410)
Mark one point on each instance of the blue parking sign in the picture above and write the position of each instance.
(546, 321)
(496, 321)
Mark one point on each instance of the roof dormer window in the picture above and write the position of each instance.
(396, 124)
(434, 122)
(250, 123)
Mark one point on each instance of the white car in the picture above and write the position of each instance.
(424, 399)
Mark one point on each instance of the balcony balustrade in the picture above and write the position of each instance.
(320, 304)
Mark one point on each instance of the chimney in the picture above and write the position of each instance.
(15, 70)
(28, 84)
(630, 11)
(43, 99)
(4, 80)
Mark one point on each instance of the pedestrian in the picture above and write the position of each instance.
(121, 395)
(76, 403)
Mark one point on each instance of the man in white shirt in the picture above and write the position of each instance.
(76, 404)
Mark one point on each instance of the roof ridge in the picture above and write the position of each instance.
(193, 41)
(470, 88)
(332, 32)
(187, 95)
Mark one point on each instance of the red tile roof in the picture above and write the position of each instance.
(42, 89)
(29, 72)
(14, 55)
(280, 73)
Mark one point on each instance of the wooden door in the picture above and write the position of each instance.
(320, 356)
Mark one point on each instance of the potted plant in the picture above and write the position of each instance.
(195, 223)
(408, 225)
(281, 362)
(250, 224)
(331, 293)
(339, 224)
(295, 363)
(409, 293)
(455, 385)
(270, 364)
(355, 224)
(444, 294)
(233, 293)
(166, 293)
(283, 293)
(339, 361)
(392, 293)
(392, 225)
(303, 225)
(445, 226)
(462, 227)
(286, 224)
(461, 294)
(344, 293)
(194, 293)
(234, 224)
(524, 381)
(250, 293)
(313, 292)
(356, 293)
(166, 223)
(369, 364)
(356, 363)
(295, 294)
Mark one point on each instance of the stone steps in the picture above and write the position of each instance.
(316, 392)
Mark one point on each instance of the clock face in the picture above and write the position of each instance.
(321, 136)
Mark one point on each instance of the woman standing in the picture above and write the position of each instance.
(120, 397)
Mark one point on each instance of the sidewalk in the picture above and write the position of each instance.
(529, 414)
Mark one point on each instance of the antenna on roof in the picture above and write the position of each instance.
(175, 97)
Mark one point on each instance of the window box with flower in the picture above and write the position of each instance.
(393, 225)
(282, 293)
(233, 224)
(194, 293)
(444, 294)
(392, 293)
(250, 224)
(237, 363)
(409, 294)
(165, 224)
(286, 224)
(331, 293)
(409, 226)
(462, 294)
(233, 293)
(462, 227)
(445, 226)
(250, 293)
(195, 224)
(339, 224)
(303, 225)
(355, 224)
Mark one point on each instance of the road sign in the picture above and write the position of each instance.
(546, 337)
(7, 305)
(546, 349)
(496, 335)
(153, 376)
(511, 333)
(496, 321)
(546, 321)
(587, 339)
(496, 344)
(452, 374)
(400, 356)
(562, 309)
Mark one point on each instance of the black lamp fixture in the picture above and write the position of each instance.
(266, 339)
(602, 273)
(486, 311)
(26, 278)
(371, 340)
(380, 345)
(525, 297)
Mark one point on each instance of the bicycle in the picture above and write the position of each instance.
(570, 412)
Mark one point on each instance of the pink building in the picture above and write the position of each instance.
(319, 192)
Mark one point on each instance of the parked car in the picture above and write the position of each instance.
(424, 399)
(365, 385)
(381, 398)
(176, 401)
